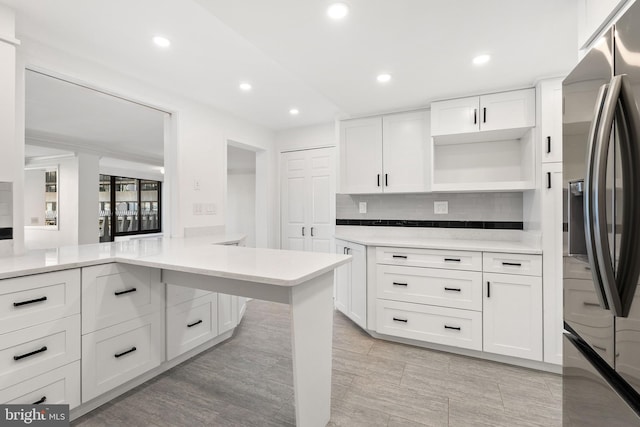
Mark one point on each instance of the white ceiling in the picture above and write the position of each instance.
(296, 57)
(62, 114)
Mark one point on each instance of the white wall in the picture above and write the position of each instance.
(88, 181)
(323, 135)
(196, 150)
(34, 186)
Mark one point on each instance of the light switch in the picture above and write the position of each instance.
(440, 208)
(362, 206)
(197, 208)
(196, 184)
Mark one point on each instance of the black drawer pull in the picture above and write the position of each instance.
(452, 289)
(548, 144)
(191, 325)
(22, 356)
(598, 347)
(125, 292)
(488, 289)
(400, 284)
(42, 400)
(31, 301)
(591, 304)
(512, 264)
(452, 260)
(125, 352)
(400, 256)
(397, 319)
(457, 328)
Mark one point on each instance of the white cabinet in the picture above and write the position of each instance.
(594, 16)
(308, 199)
(351, 283)
(552, 235)
(388, 154)
(498, 111)
(512, 315)
(227, 312)
(551, 120)
(191, 323)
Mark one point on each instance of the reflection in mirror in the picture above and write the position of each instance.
(41, 197)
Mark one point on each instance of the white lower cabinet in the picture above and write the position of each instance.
(58, 386)
(191, 323)
(227, 312)
(351, 283)
(512, 315)
(440, 325)
(117, 354)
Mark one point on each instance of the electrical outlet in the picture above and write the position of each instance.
(440, 208)
(210, 209)
(197, 208)
(362, 207)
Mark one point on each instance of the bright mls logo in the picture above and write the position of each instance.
(34, 415)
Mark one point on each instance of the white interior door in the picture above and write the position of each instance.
(293, 188)
(322, 183)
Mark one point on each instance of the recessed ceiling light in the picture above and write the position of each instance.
(161, 41)
(338, 11)
(162, 171)
(481, 59)
(245, 87)
(294, 112)
(383, 78)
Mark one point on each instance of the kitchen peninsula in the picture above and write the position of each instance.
(301, 279)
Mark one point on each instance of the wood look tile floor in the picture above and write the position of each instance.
(247, 381)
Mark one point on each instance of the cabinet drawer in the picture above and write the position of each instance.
(446, 288)
(528, 265)
(449, 326)
(115, 355)
(454, 260)
(58, 386)
(179, 294)
(574, 268)
(114, 293)
(581, 305)
(191, 323)
(33, 351)
(31, 300)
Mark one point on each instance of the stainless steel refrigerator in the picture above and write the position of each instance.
(601, 167)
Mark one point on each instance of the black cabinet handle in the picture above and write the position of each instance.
(128, 291)
(42, 400)
(22, 356)
(302, 231)
(591, 304)
(386, 179)
(344, 250)
(475, 116)
(378, 180)
(400, 284)
(512, 264)
(488, 289)
(191, 325)
(397, 319)
(348, 250)
(125, 352)
(548, 144)
(311, 231)
(599, 348)
(31, 301)
(400, 256)
(457, 328)
(452, 289)
(484, 115)
(548, 179)
(452, 260)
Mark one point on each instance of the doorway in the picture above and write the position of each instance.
(241, 192)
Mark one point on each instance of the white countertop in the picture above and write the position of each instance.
(515, 247)
(200, 255)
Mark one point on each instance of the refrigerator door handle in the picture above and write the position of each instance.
(628, 119)
(588, 195)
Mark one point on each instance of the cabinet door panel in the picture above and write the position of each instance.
(512, 315)
(227, 312)
(508, 110)
(455, 116)
(361, 156)
(294, 196)
(321, 173)
(358, 288)
(405, 152)
(342, 282)
(551, 120)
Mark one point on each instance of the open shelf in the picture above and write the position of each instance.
(481, 136)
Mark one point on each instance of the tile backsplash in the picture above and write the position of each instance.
(462, 206)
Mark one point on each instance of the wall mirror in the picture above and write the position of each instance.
(41, 202)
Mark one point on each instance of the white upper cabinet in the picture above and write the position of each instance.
(551, 120)
(405, 152)
(594, 16)
(387, 154)
(495, 112)
(361, 156)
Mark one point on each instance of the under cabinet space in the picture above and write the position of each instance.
(496, 165)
